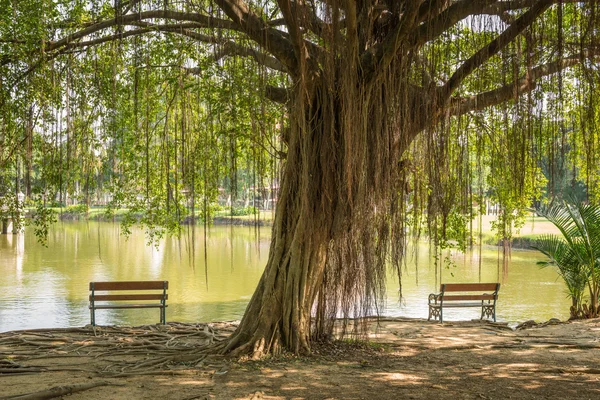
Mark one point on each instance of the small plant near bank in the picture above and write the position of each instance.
(575, 253)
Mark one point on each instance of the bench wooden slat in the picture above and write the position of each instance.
(487, 298)
(108, 307)
(130, 285)
(452, 305)
(458, 297)
(127, 297)
(468, 287)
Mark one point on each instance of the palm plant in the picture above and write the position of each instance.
(576, 253)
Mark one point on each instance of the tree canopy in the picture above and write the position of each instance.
(375, 117)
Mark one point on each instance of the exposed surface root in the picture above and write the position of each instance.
(163, 348)
(57, 391)
(403, 359)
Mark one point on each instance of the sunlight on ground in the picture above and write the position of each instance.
(519, 365)
(196, 381)
(394, 377)
(425, 363)
(405, 351)
(293, 387)
(567, 351)
(272, 374)
(532, 385)
(485, 351)
(236, 384)
(201, 383)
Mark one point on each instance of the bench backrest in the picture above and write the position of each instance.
(129, 286)
(487, 291)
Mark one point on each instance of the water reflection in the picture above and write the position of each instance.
(526, 292)
(48, 287)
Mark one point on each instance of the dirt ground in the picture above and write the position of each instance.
(403, 359)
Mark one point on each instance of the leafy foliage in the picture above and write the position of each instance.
(371, 118)
(576, 254)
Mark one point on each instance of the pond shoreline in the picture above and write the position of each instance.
(521, 243)
(226, 220)
(214, 279)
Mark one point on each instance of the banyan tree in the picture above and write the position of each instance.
(391, 116)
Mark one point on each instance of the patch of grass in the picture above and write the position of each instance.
(262, 215)
(533, 228)
(365, 344)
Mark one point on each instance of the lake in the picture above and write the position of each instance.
(47, 287)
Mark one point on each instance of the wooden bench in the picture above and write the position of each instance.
(115, 301)
(481, 295)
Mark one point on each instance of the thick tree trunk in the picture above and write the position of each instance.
(334, 221)
(279, 313)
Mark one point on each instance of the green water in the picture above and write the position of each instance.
(43, 287)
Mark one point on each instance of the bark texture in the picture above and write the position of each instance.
(336, 216)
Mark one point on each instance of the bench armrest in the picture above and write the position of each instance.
(434, 297)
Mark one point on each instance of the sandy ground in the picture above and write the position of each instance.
(403, 359)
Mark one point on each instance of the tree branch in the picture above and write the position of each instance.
(65, 49)
(278, 95)
(309, 19)
(269, 38)
(234, 49)
(485, 53)
(203, 21)
(434, 27)
(129, 5)
(176, 28)
(379, 56)
(3, 162)
(275, 42)
(501, 7)
(462, 105)
(292, 23)
(432, 8)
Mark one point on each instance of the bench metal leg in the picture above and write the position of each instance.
(433, 312)
(488, 311)
(93, 316)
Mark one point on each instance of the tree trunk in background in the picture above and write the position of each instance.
(29, 161)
